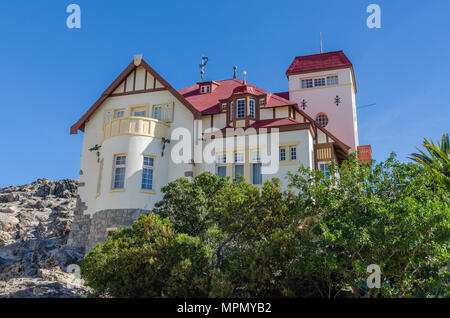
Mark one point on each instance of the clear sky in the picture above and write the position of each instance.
(50, 75)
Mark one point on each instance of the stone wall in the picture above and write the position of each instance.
(87, 230)
(101, 221)
(81, 226)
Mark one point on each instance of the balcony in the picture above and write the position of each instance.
(137, 126)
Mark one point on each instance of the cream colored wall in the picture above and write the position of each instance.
(342, 118)
(134, 147)
(301, 138)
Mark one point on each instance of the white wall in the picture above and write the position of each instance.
(342, 118)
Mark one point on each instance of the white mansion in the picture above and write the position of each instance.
(142, 133)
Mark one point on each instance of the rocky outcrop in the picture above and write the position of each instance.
(35, 222)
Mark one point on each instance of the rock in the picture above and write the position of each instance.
(9, 209)
(35, 220)
(9, 197)
(7, 222)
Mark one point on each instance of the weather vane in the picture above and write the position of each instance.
(202, 67)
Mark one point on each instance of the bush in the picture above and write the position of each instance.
(148, 260)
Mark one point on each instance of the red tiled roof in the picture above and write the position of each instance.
(317, 62)
(284, 95)
(267, 123)
(209, 103)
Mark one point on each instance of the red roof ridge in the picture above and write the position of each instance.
(323, 53)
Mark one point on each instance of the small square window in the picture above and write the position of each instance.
(262, 101)
(224, 106)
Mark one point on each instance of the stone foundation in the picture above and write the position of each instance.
(103, 220)
(87, 230)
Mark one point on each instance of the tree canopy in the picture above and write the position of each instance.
(214, 237)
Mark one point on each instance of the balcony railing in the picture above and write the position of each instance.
(139, 126)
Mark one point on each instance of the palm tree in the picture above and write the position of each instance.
(438, 159)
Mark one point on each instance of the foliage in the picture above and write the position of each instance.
(438, 160)
(220, 238)
(148, 260)
(391, 214)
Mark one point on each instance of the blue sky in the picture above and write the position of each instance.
(51, 74)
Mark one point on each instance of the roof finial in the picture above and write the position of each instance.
(137, 59)
(245, 75)
(234, 73)
(321, 47)
(202, 67)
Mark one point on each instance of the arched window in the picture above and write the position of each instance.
(322, 119)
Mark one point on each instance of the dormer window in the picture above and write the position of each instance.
(205, 89)
(240, 112)
(224, 106)
(262, 101)
(252, 109)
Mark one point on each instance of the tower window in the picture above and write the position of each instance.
(119, 172)
(307, 83)
(332, 80)
(147, 173)
(322, 119)
(319, 81)
(240, 112)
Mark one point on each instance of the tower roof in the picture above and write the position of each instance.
(318, 62)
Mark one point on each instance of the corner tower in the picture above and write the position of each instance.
(323, 85)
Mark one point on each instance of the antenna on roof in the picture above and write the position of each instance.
(202, 67)
(321, 46)
(234, 73)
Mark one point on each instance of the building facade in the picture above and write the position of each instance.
(142, 134)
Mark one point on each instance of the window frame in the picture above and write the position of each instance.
(151, 168)
(283, 151)
(334, 82)
(119, 166)
(240, 110)
(326, 117)
(221, 166)
(160, 111)
(253, 173)
(252, 108)
(326, 171)
(291, 148)
(240, 165)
